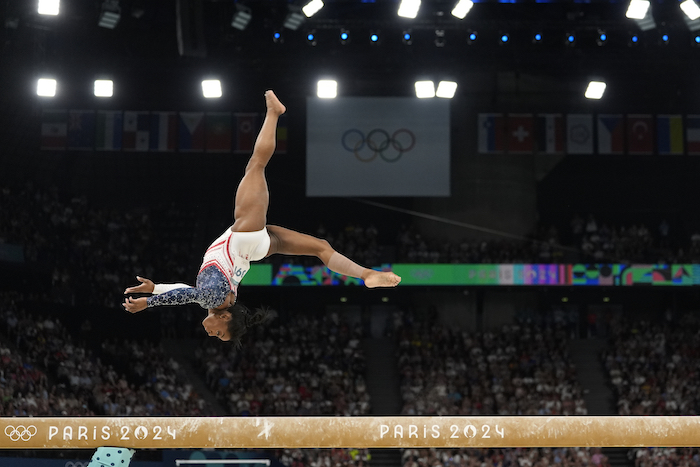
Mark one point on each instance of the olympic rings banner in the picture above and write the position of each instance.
(388, 146)
(493, 275)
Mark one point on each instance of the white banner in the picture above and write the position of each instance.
(377, 146)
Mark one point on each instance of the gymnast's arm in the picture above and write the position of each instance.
(164, 294)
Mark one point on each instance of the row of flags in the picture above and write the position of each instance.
(117, 130)
(605, 134)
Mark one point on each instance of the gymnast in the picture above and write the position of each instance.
(228, 258)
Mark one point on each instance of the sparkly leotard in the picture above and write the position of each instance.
(225, 263)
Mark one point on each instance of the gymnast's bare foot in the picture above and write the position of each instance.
(273, 104)
(381, 279)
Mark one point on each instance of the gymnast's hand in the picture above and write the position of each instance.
(134, 305)
(145, 286)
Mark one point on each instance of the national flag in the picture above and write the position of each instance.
(692, 134)
(54, 127)
(611, 134)
(191, 131)
(640, 138)
(163, 132)
(81, 130)
(669, 134)
(218, 129)
(282, 135)
(137, 129)
(579, 134)
(110, 126)
(549, 131)
(520, 133)
(247, 127)
(491, 130)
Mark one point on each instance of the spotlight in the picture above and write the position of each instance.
(374, 37)
(633, 40)
(211, 88)
(473, 36)
(602, 38)
(407, 38)
(425, 89)
(637, 9)
(48, 7)
(241, 17)
(462, 8)
(570, 39)
(46, 87)
(537, 38)
(104, 88)
(327, 88)
(665, 39)
(595, 90)
(277, 37)
(691, 9)
(294, 18)
(440, 38)
(696, 40)
(409, 8)
(312, 8)
(110, 14)
(311, 37)
(446, 89)
(504, 38)
(344, 36)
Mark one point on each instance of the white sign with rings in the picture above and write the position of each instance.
(21, 432)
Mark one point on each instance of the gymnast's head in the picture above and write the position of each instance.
(231, 324)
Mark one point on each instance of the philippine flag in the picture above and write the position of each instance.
(491, 129)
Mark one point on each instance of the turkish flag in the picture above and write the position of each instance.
(640, 136)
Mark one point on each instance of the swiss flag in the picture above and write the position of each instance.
(520, 133)
(640, 136)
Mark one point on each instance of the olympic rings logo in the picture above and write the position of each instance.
(377, 141)
(20, 433)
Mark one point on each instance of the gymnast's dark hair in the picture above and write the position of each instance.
(242, 320)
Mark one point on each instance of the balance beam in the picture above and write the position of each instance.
(347, 432)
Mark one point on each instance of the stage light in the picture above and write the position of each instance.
(504, 39)
(696, 41)
(570, 39)
(294, 18)
(633, 40)
(344, 36)
(48, 7)
(425, 89)
(211, 88)
(595, 90)
(374, 37)
(440, 38)
(462, 8)
(407, 38)
(637, 9)
(327, 88)
(104, 88)
(110, 14)
(277, 37)
(409, 8)
(46, 87)
(691, 9)
(665, 39)
(446, 89)
(312, 8)
(472, 37)
(602, 38)
(311, 37)
(537, 38)
(241, 18)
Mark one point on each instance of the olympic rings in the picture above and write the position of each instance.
(377, 141)
(20, 433)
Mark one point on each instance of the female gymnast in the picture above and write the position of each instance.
(228, 259)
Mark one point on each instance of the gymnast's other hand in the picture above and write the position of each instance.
(145, 286)
(134, 305)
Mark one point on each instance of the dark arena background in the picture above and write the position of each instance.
(548, 242)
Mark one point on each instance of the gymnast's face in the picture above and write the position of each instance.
(216, 324)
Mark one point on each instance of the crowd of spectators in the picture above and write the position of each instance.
(84, 384)
(520, 457)
(336, 457)
(305, 366)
